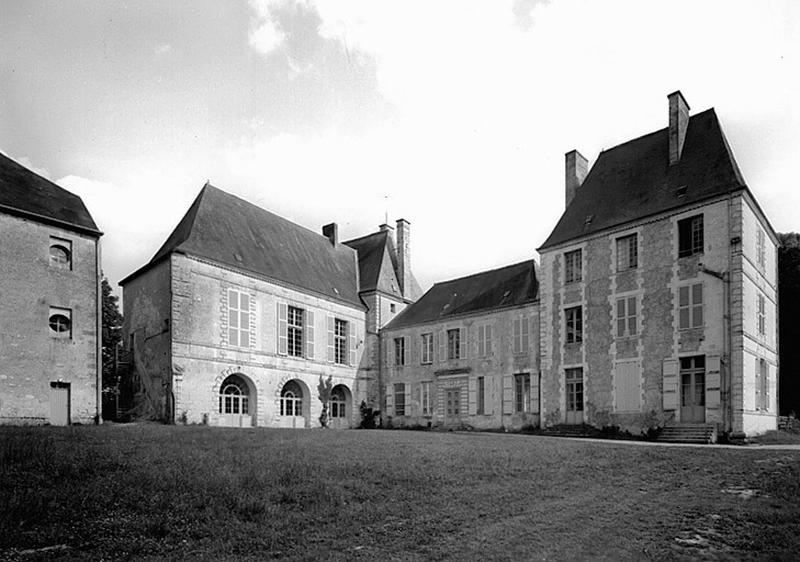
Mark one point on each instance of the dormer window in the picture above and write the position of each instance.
(60, 253)
(681, 191)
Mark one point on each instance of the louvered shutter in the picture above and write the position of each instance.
(407, 392)
(517, 335)
(533, 344)
(309, 334)
(389, 400)
(462, 337)
(508, 394)
(352, 335)
(535, 378)
(525, 340)
(331, 340)
(669, 370)
(712, 381)
(442, 346)
(480, 346)
(283, 339)
(472, 396)
(489, 341)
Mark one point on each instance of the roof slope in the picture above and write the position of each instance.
(27, 193)
(225, 229)
(512, 285)
(634, 179)
(378, 270)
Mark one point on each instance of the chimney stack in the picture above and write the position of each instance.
(576, 167)
(678, 122)
(403, 253)
(331, 232)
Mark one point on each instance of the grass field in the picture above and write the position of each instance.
(159, 492)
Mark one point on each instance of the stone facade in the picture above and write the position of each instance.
(48, 376)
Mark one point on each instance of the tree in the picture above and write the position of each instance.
(112, 334)
(325, 389)
(788, 326)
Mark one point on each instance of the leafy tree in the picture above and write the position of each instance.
(112, 334)
(325, 389)
(788, 324)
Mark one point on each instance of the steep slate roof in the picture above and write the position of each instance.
(512, 285)
(26, 193)
(225, 229)
(377, 263)
(634, 180)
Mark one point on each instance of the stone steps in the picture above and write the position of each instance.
(689, 433)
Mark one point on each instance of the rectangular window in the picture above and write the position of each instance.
(690, 236)
(761, 248)
(573, 379)
(690, 306)
(340, 341)
(574, 318)
(627, 324)
(762, 385)
(522, 393)
(400, 399)
(427, 349)
(484, 341)
(426, 398)
(454, 344)
(762, 315)
(573, 266)
(238, 318)
(521, 333)
(399, 351)
(480, 396)
(627, 252)
(295, 331)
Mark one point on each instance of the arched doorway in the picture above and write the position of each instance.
(341, 407)
(295, 404)
(236, 401)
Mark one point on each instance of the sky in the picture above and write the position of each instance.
(453, 114)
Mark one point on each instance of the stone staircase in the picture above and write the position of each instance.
(689, 433)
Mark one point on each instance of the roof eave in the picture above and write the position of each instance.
(51, 221)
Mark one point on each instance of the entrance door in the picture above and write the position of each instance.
(693, 389)
(59, 403)
(573, 379)
(452, 406)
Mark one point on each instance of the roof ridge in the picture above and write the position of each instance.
(652, 133)
(360, 238)
(484, 272)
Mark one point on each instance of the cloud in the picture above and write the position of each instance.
(264, 36)
(25, 161)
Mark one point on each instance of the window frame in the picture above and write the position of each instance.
(691, 236)
(573, 326)
(399, 399)
(425, 398)
(340, 334)
(53, 317)
(295, 331)
(691, 307)
(240, 313)
(761, 314)
(573, 385)
(761, 248)
(627, 247)
(480, 396)
(426, 343)
(573, 272)
(522, 393)
(626, 319)
(453, 344)
(400, 351)
(64, 245)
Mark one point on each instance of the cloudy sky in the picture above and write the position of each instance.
(453, 114)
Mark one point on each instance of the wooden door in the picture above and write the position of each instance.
(573, 379)
(59, 403)
(693, 389)
(453, 406)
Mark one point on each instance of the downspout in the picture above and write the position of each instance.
(728, 410)
(170, 413)
(99, 342)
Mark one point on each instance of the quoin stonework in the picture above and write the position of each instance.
(50, 308)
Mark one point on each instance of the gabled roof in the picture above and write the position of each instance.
(377, 263)
(227, 230)
(634, 180)
(26, 193)
(508, 286)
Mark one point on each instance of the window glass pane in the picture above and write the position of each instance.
(683, 318)
(620, 307)
(245, 323)
(245, 302)
(233, 336)
(683, 296)
(697, 316)
(620, 327)
(632, 325)
(697, 293)
(632, 306)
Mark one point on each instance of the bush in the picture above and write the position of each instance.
(368, 416)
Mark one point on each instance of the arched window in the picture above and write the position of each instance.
(292, 399)
(60, 253)
(60, 322)
(233, 394)
(338, 402)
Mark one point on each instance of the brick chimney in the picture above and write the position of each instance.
(403, 253)
(575, 167)
(331, 232)
(678, 122)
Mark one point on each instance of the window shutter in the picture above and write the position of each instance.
(517, 335)
(712, 381)
(407, 392)
(471, 396)
(508, 394)
(535, 393)
(388, 357)
(352, 335)
(669, 370)
(309, 334)
(489, 341)
(526, 337)
(480, 346)
(765, 376)
(442, 346)
(331, 345)
(389, 400)
(462, 337)
(759, 385)
(283, 339)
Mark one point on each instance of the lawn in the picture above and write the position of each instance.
(159, 492)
